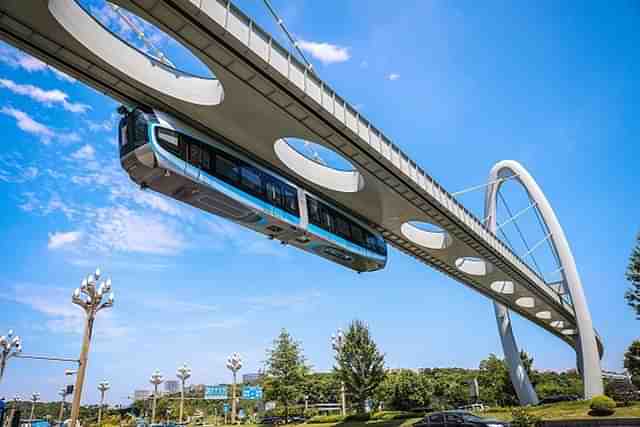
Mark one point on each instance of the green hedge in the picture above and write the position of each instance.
(394, 415)
(602, 405)
(326, 419)
(358, 417)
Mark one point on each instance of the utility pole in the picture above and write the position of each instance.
(337, 341)
(234, 363)
(34, 398)
(10, 346)
(89, 296)
(156, 380)
(102, 388)
(183, 374)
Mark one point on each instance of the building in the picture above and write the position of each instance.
(141, 395)
(197, 389)
(252, 378)
(171, 386)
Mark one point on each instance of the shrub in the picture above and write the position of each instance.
(602, 406)
(326, 419)
(522, 418)
(393, 415)
(358, 417)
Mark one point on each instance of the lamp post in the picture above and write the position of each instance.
(89, 296)
(156, 380)
(103, 386)
(234, 363)
(34, 398)
(10, 346)
(183, 374)
(63, 394)
(337, 341)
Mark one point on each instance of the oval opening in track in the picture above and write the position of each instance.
(503, 287)
(304, 158)
(144, 67)
(425, 234)
(474, 266)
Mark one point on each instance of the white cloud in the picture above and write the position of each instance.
(61, 316)
(44, 132)
(86, 152)
(29, 125)
(13, 170)
(59, 239)
(17, 59)
(119, 228)
(326, 53)
(393, 76)
(46, 97)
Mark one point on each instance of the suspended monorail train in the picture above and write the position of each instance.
(162, 153)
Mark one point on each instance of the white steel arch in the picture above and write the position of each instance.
(587, 351)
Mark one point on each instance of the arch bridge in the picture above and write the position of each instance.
(262, 94)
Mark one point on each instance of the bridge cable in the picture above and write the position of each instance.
(545, 229)
(515, 223)
(479, 187)
(313, 152)
(291, 39)
(147, 42)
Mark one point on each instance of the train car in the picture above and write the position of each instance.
(163, 154)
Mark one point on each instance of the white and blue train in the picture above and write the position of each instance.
(161, 153)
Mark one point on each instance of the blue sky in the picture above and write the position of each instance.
(459, 86)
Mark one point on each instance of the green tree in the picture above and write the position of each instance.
(359, 364)
(632, 362)
(633, 276)
(286, 371)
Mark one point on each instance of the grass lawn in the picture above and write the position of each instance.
(563, 411)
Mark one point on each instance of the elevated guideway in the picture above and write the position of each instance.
(262, 94)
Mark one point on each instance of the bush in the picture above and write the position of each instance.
(392, 415)
(522, 418)
(358, 417)
(326, 419)
(602, 406)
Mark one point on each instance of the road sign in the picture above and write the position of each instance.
(252, 392)
(216, 392)
(225, 408)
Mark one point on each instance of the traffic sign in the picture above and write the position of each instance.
(252, 392)
(216, 392)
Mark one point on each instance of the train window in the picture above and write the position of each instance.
(206, 159)
(326, 219)
(290, 199)
(381, 246)
(194, 154)
(251, 179)
(312, 208)
(342, 227)
(357, 235)
(274, 193)
(140, 128)
(226, 169)
(371, 242)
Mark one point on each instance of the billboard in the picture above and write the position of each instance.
(216, 392)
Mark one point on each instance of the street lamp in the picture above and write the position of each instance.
(183, 374)
(156, 380)
(103, 386)
(89, 296)
(10, 346)
(63, 394)
(234, 363)
(337, 342)
(34, 398)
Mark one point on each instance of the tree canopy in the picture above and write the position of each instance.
(633, 276)
(359, 364)
(286, 371)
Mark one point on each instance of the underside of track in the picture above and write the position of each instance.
(262, 94)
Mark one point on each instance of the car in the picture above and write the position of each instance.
(458, 419)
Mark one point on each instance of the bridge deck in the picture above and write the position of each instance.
(268, 94)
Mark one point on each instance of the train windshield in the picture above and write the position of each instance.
(132, 131)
